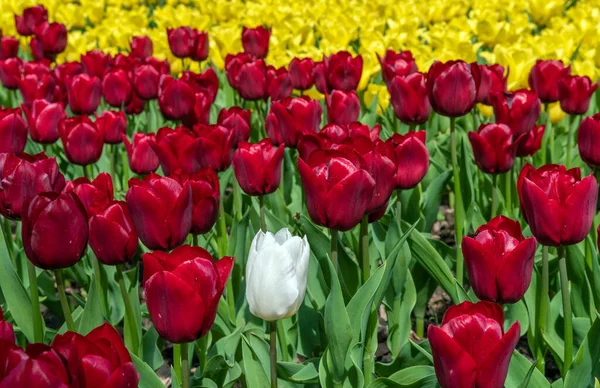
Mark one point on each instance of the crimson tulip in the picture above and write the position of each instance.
(453, 87)
(232, 66)
(31, 17)
(113, 124)
(206, 83)
(292, 117)
(186, 42)
(279, 83)
(176, 149)
(55, 230)
(116, 87)
(396, 64)
(146, 79)
(82, 140)
(256, 41)
(588, 139)
(96, 63)
(411, 157)
(175, 98)
(343, 71)
(471, 349)
(342, 107)
(140, 153)
(141, 47)
(575, 93)
(112, 235)
(22, 177)
(251, 80)
(519, 109)
(494, 148)
(11, 70)
(544, 78)
(320, 76)
(408, 95)
(9, 47)
(13, 130)
(192, 282)
(499, 260)
(236, 120)
(557, 204)
(38, 366)
(205, 198)
(96, 195)
(84, 93)
(65, 71)
(7, 333)
(33, 87)
(161, 210)
(200, 52)
(37, 51)
(37, 67)
(492, 81)
(43, 119)
(136, 105)
(52, 37)
(532, 141)
(200, 113)
(257, 167)
(215, 146)
(301, 73)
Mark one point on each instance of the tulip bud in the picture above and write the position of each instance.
(176, 149)
(116, 88)
(112, 235)
(43, 120)
(200, 51)
(396, 64)
(145, 82)
(279, 84)
(519, 109)
(141, 47)
(33, 87)
(82, 140)
(343, 71)
(181, 41)
(531, 142)
(31, 17)
(9, 47)
(96, 195)
(342, 107)
(470, 349)
(141, 155)
(52, 37)
(237, 120)
(205, 198)
(161, 210)
(411, 157)
(84, 93)
(408, 95)
(301, 73)
(10, 72)
(292, 117)
(257, 167)
(55, 230)
(256, 41)
(544, 78)
(175, 98)
(557, 204)
(575, 94)
(22, 177)
(192, 282)
(493, 148)
(276, 274)
(215, 146)
(453, 87)
(492, 81)
(113, 124)
(13, 130)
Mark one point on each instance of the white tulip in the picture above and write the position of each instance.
(276, 274)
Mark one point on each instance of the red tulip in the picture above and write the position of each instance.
(292, 117)
(7, 333)
(55, 230)
(519, 109)
(11, 70)
(113, 124)
(356, 129)
(408, 95)
(499, 260)
(532, 141)
(116, 88)
(544, 78)
(237, 120)
(470, 349)
(215, 146)
(39, 366)
(257, 167)
(141, 47)
(37, 51)
(320, 76)
(37, 67)
(205, 198)
(136, 106)
(31, 17)
(33, 87)
(64, 71)
(161, 210)
(146, 79)
(343, 71)
(251, 80)
(200, 112)
(43, 120)
(333, 135)
(9, 47)
(200, 52)
(342, 107)
(411, 157)
(141, 155)
(206, 83)
(232, 66)
(301, 73)
(493, 148)
(96, 63)
(175, 98)
(82, 140)
(52, 37)
(22, 177)
(13, 130)
(492, 81)
(338, 190)
(575, 94)
(256, 41)
(112, 235)
(279, 84)
(453, 87)
(176, 149)
(588, 139)
(96, 195)
(84, 93)
(192, 282)
(186, 42)
(396, 64)
(558, 205)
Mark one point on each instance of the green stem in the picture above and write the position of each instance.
(86, 172)
(458, 204)
(195, 240)
(263, 223)
(223, 246)
(177, 360)
(334, 248)
(112, 156)
(399, 209)
(237, 200)
(148, 119)
(38, 331)
(125, 164)
(128, 310)
(282, 340)
(569, 141)
(547, 140)
(364, 248)
(273, 352)
(541, 317)
(185, 366)
(99, 288)
(64, 302)
(420, 326)
(494, 195)
(201, 347)
(508, 192)
(568, 316)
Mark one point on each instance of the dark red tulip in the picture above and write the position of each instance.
(11, 70)
(52, 37)
(342, 107)
(55, 230)
(37, 51)
(232, 66)
(96, 195)
(453, 87)
(575, 94)
(395, 64)
(205, 198)
(301, 73)
(33, 87)
(408, 95)
(200, 112)
(116, 88)
(141, 155)
(557, 204)
(136, 105)
(531, 142)
(519, 109)
(82, 140)
(320, 76)
(499, 260)
(113, 124)
(290, 118)
(492, 81)
(31, 17)
(161, 210)
(357, 129)
(9, 47)
(145, 82)
(37, 67)
(64, 71)
(99, 359)
(112, 235)
(22, 177)
(96, 63)
(192, 282)
(251, 80)
(470, 349)
(494, 148)
(333, 135)
(176, 149)
(257, 167)
(43, 119)
(256, 41)
(182, 41)
(338, 190)
(236, 120)
(279, 84)
(13, 130)
(7, 333)
(38, 366)
(175, 98)
(84, 93)
(588, 140)
(544, 78)
(141, 47)
(411, 157)
(206, 83)
(215, 146)
(343, 71)
(200, 52)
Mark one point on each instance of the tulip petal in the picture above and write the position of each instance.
(316, 190)
(347, 201)
(579, 210)
(482, 266)
(513, 275)
(148, 215)
(491, 372)
(180, 218)
(125, 376)
(96, 370)
(453, 365)
(475, 334)
(543, 214)
(412, 163)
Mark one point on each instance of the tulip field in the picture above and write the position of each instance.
(279, 194)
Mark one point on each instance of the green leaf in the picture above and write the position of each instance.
(299, 373)
(253, 370)
(433, 198)
(152, 354)
(586, 365)
(421, 376)
(92, 312)
(148, 379)
(519, 369)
